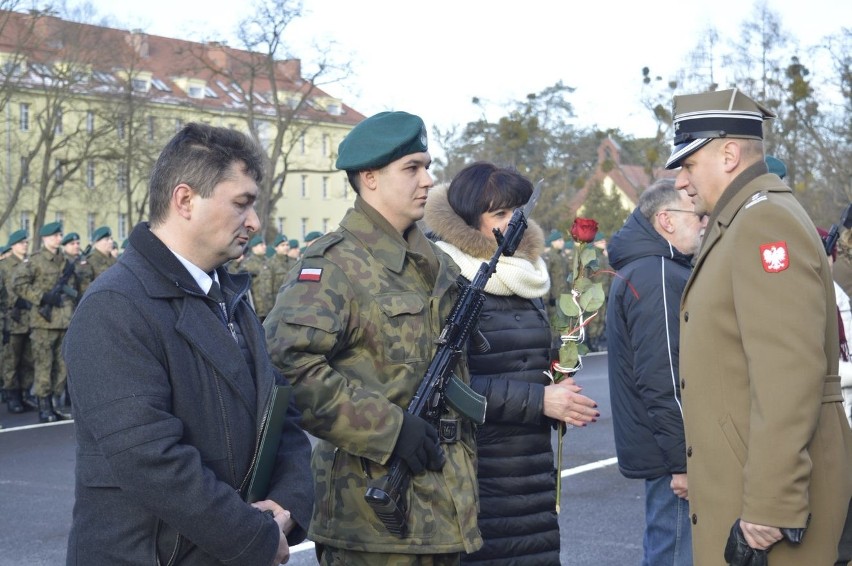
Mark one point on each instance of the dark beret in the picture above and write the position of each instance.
(280, 238)
(50, 229)
(381, 139)
(101, 233)
(17, 236)
(312, 236)
(70, 237)
(776, 166)
(255, 241)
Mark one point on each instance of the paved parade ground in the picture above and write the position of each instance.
(601, 518)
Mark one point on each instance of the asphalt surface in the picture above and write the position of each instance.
(601, 519)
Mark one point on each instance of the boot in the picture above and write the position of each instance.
(13, 401)
(29, 401)
(60, 412)
(45, 411)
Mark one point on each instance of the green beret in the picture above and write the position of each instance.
(124, 243)
(381, 139)
(255, 241)
(776, 166)
(312, 236)
(294, 243)
(70, 237)
(101, 233)
(50, 229)
(569, 243)
(553, 236)
(699, 118)
(280, 238)
(17, 236)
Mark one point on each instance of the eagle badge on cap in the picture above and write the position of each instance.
(775, 257)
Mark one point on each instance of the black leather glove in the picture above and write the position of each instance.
(739, 553)
(52, 299)
(418, 445)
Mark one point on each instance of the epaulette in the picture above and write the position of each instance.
(319, 247)
(756, 198)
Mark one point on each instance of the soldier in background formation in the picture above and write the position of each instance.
(71, 248)
(49, 283)
(101, 258)
(261, 282)
(559, 269)
(17, 363)
(295, 253)
(279, 264)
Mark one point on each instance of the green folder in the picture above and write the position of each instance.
(270, 438)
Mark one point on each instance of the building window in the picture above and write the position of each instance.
(90, 174)
(302, 144)
(346, 186)
(325, 225)
(119, 127)
(122, 226)
(280, 224)
(25, 221)
(57, 128)
(325, 144)
(59, 171)
(121, 177)
(196, 92)
(90, 225)
(304, 228)
(304, 186)
(25, 171)
(139, 85)
(59, 217)
(90, 122)
(25, 117)
(325, 187)
(150, 128)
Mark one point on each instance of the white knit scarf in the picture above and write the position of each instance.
(513, 275)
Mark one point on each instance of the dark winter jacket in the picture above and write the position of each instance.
(517, 482)
(167, 415)
(642, 330)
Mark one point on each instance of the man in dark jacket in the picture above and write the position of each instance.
(652, 254)
(168, 419)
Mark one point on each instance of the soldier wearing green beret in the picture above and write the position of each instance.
(354, 329)
(255, 264)
(101, 257)
(558, 268)
(280, 263)
(295, 252)
(17, 366)
(37, 281)
(769, 447)
(71, 248)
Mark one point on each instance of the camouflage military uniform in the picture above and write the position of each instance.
(261, 284)
(31, 280)
(17, 354)
(279, 266)
(84, 272)
(354, 329)
(559, 269)
(99, 262)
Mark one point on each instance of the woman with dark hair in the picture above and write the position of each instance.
(517, 482)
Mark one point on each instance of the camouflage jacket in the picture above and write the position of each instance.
(99, 262)
(33, 278)
(354, 330)
(279, 266)
(15, 310)
(261, 283)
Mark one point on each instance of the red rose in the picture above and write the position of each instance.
(584, 230)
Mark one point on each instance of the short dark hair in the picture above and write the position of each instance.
(200, 156)
(482, 187)
(660, 194)
(354, 180)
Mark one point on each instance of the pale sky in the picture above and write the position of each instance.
(431, 58)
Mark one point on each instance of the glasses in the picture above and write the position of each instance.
(698, 214)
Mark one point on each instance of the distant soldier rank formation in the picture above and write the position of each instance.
(351, 326)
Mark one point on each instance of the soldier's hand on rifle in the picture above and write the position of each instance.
(51, 298)
(418, 445)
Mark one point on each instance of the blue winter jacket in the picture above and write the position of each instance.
(642, 331)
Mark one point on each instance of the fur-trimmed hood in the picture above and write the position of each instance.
(447, 226)
(523, 274)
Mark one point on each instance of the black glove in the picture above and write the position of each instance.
(22, 304)
(739, 553)
(51, 298)
(6, 336)
(418, 445)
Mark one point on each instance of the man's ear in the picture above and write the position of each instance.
(368, 179)
(182, 196)
(731, 154)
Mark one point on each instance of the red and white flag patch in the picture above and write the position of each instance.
(775, 257)
(310, 274)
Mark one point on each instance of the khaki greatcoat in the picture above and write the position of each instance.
(767, 439)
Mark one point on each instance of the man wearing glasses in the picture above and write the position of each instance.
(652, 253)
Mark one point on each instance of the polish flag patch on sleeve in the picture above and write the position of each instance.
(775, 257)
(310, 274)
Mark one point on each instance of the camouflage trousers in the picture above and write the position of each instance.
(49, 366)
(332, 556)
(18, 363)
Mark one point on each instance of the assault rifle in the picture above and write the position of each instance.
(61, 286)
(440, 387)
(834, 232)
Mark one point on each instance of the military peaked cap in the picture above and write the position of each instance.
(50, 229)
(699, 118)
(70, 237)
(17, 236)
(381, 139)
(101, 233)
